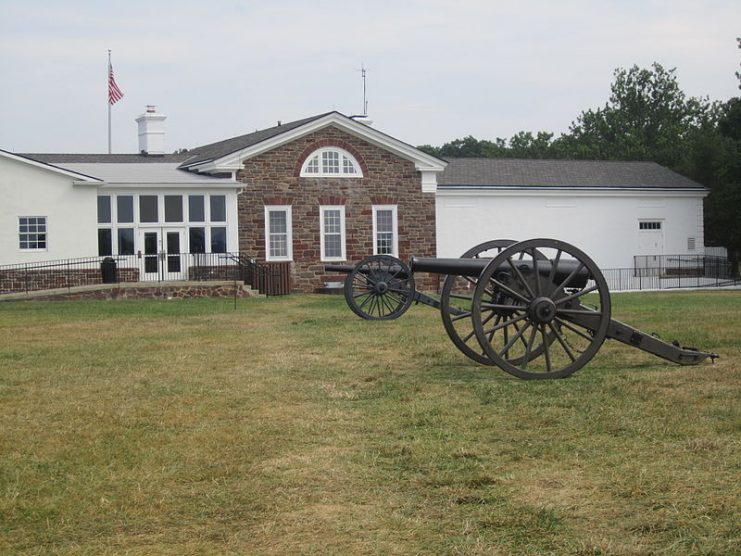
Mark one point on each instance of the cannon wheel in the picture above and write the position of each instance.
(460, 327)
(380, 287)
(538, 304)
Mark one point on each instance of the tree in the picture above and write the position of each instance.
(647, 117)
(723, 205)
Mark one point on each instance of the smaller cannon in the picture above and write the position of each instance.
(537, 309)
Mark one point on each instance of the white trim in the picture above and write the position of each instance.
(79, 178)
(289, 232)
(342, 154)
(395, 228)
(460, 191)
(343, 252)
(234, 161)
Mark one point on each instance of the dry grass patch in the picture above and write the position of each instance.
(289, 426)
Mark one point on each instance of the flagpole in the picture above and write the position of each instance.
(108, 77)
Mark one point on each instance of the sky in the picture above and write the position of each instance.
(437, 70)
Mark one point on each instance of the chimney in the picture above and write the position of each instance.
(151, 132)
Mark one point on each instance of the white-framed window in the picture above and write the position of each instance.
(32, 233)
(332, 232)
(385, 230)
(331, 162)
(649, 225)
(278, 234)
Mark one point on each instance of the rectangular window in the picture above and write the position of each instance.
(649, 225)
(197, 240)
(278, 237)
(218, 208)
(218, 240)
(332, 233)
(105, 243)
(104, 209)
(32, 232)
(173, 208)
(691, 244)
(125, 209)
(331, 162)
(126, 241)
(196, 211)
(385, 240)
(148, 210)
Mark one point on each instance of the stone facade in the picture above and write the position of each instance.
(273, 178)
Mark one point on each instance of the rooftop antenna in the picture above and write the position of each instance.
(363, 118)
(363, 73)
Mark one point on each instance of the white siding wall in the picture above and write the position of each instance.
(70, 210)
(602, 224)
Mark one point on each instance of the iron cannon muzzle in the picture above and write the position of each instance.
(473, 268)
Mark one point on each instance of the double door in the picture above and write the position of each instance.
(162, 258)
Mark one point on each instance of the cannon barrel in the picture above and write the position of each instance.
(474, 267)
(339, 268)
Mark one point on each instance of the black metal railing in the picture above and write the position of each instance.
(676, 266)
(267, 278)
(628, 279)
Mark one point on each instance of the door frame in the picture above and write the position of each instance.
(156, 261)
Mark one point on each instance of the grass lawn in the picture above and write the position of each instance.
(290, 426)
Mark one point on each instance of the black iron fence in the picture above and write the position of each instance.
(267, 278)
(671, 266)
(629, 279)
(275, 278)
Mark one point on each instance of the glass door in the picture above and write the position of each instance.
(161, 256)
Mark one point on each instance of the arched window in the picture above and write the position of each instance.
(331, 162)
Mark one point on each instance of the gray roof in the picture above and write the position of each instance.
(67, 158)
(584, 174)
(169, 173)
(215, 151)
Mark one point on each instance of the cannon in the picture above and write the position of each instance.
(537, 309)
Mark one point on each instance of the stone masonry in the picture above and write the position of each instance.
(272, 178)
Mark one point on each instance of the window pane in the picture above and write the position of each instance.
(126, 241)
(347, 166)
(196, 212)
(125, 209)
(105, 245)
(197, 239)
(218, 208)
(278, 222)
(332, 233)
(313, 166)
(104, 209)
(148, 208)
(331, 162)
(218, 240)
(32, 232)
(278, 226)
(173, 208)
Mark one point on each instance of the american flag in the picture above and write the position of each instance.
(114, 93)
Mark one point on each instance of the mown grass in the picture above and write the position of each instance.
(290, 426)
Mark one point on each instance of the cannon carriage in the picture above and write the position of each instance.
(537, 309)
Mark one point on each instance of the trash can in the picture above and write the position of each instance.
(108, 271)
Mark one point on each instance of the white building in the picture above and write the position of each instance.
(613, 211)
(146, 209)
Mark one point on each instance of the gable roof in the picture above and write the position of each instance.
(220, 149)
(506, 173)
(229, 155)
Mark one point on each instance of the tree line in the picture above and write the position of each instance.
(647, 118)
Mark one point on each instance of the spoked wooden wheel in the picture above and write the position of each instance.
(456, 300)
(379, 288)
(559, 308)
